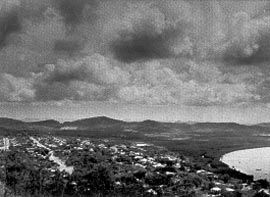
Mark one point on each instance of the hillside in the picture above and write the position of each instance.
(8, 122)
(46, 123)
(101, 121)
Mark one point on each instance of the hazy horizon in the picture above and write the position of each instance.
(170, 113)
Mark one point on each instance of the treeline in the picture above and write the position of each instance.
(97, 134)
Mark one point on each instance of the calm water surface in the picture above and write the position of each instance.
(254, 162)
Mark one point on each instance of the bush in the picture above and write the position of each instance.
(97, 179)
(225, 178)
(152, 178)
(192, 180)
(263, 183)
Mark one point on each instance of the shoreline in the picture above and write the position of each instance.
(248, 161)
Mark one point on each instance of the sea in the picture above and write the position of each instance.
(254, 162)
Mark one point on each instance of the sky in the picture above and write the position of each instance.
(135, 60)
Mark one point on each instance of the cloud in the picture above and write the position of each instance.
(15, 89)
(219, 94)
(41, 36)
(56, 91)
(96, 78)
(249, 41)
(87, 78)
(145, 33)
(150, 45)
(6, 5)
(95, 69)
(64, 76)
(67, 46)
(9, 23)
(159, 84)
(33, 45)
(73, 11)
(146, 95)
(151, 52)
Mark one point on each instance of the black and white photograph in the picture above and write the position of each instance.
(134, 98)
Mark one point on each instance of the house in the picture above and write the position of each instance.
(215, 190)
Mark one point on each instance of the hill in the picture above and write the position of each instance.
(11, 123)
(46, 123)
(105, 123)
(96, 122)
(264, 124)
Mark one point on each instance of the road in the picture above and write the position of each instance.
(61, 164)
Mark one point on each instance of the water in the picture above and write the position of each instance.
(254, 162)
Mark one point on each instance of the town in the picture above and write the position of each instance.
(58, 166)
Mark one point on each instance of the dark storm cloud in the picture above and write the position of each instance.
(72, 10)
(140, 47)
(66, 76)
(68, 47)
(9, 23)
(145, 45)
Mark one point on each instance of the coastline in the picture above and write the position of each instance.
(249, 162)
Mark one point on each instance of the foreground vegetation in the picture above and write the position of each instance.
(109, 168)
(103, 157)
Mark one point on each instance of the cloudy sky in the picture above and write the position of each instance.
(135, 59)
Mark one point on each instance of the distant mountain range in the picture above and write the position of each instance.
(264, 124)
(93, 122)
(10, 122)
(103, 122)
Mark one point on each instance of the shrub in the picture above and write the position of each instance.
(97, 179)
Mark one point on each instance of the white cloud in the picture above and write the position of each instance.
(158, 84)
(15, 89)
(89, 78)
